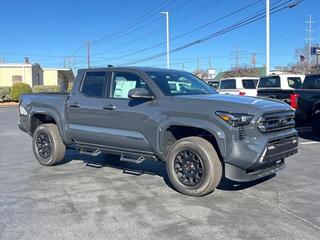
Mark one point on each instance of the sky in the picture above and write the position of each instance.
(121, 32)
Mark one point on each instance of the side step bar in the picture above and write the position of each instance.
(90, 152)
(132, 158)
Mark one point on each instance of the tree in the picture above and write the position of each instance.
(242, 72)
(202, 74)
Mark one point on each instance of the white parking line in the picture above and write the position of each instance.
(307, 143)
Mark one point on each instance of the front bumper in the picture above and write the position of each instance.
(237, 174)
(270, 152)
(21, 126)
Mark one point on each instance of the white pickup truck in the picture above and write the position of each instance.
(243, 86)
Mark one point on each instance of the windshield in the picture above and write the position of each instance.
(269, 82)
(173, 83)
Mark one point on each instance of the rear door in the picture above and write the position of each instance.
(228, 86)
(86, 114)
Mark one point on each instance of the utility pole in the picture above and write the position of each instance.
(198, 64)
(253, 60)
(209, 62)
(167, 37)
(309, 39)
(267, 37)
(235, 55)
(88, 53)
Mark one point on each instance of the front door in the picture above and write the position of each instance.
(130, 121)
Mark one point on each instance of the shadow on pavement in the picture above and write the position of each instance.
(229, 185)
(149, 167)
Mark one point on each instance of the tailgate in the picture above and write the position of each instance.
(280, 94)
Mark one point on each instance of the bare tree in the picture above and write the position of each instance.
(202, 74)
(242, 72)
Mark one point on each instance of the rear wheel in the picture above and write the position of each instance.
(193, 166)
(48, 146)
(316, 124)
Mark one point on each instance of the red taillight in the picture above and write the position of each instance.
(242, 93)
(294, 100)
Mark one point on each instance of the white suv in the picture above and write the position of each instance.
(243, 86)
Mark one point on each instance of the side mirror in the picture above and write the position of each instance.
(140, 93)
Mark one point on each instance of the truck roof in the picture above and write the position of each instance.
(137, 68)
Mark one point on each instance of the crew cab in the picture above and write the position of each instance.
(136, 112)
(242, 86)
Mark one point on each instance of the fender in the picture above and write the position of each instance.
(52, 113)
(216, 131)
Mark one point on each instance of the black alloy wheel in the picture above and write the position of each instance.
(43, 145)
(188, 167)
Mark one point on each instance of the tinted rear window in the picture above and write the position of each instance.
(269, 82)
(312, 82)
(228, 84)
(94, 84)
(294, 82)
(249, 83)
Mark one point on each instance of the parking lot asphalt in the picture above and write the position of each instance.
(92, 198)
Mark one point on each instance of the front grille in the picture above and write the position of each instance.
(277, 121)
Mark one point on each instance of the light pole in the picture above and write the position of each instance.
(267, 37)
(168, 39)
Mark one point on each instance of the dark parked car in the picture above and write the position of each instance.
(136, 113)
(305, 99)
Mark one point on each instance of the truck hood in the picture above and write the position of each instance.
(232, 103)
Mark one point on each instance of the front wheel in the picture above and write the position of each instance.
(48, 146)
(193, 166)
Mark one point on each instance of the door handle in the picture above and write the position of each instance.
(75, 105)
(110, 107)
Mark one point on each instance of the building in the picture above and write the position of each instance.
(58, 76)
(26, 72)
(33, 75)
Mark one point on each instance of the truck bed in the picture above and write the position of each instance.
(276, 93)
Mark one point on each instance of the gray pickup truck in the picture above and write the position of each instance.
(145, 113)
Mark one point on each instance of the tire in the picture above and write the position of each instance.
(316, 124)
(47, 144)
(200, 151)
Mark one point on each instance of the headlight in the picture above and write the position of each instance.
(235, 119)
(22, 111)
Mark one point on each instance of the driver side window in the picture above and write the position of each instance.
(123, 82)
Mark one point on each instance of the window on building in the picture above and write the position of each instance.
(94, 84)
(16, 79)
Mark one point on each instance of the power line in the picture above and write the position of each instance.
(188, 32)
(226, 30)
(135, 30)
(132, 24)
